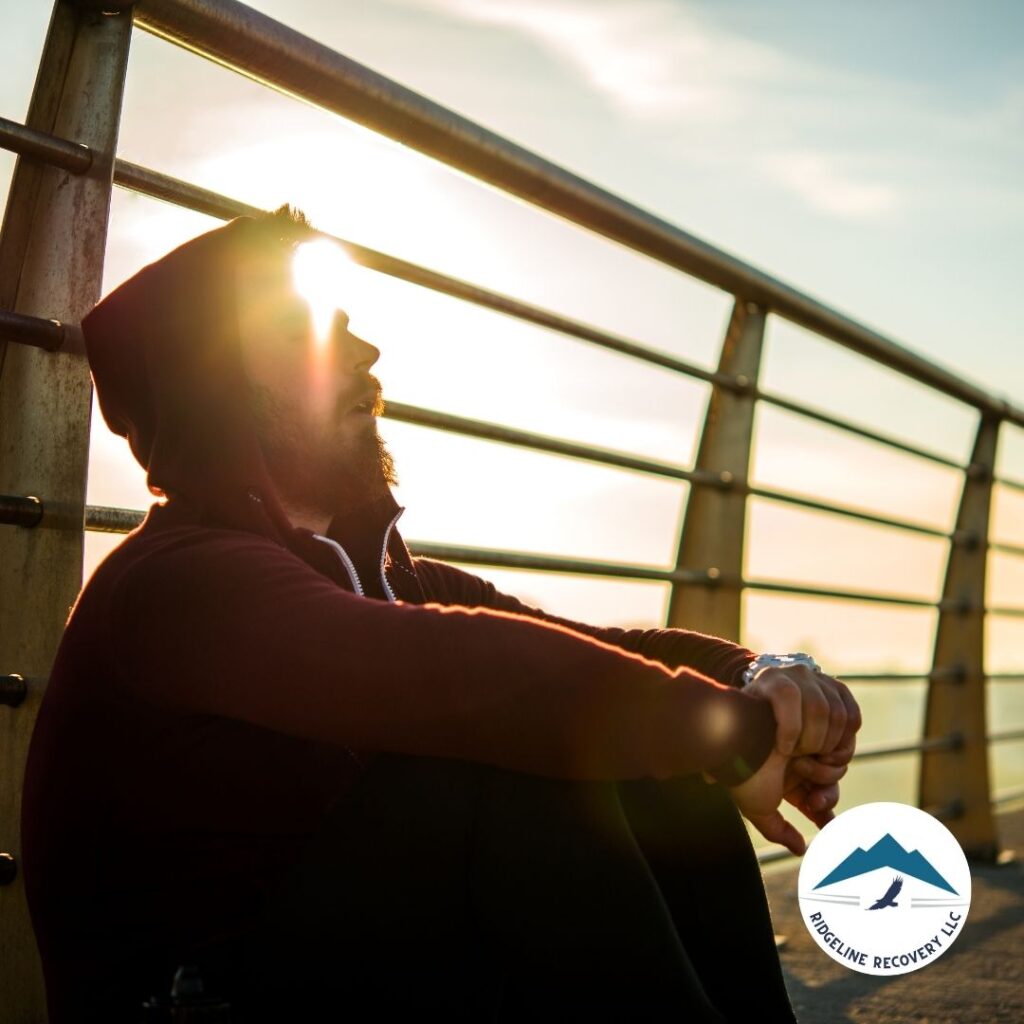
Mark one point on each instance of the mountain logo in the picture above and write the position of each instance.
(884, 888)
(886, 853)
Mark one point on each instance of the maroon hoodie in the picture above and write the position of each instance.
(224, 676)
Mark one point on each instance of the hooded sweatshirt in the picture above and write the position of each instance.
(225, 676)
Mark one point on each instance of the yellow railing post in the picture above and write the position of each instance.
(51, 263)
(955, 781)
(713, 527)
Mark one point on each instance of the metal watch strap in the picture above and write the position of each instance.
(777, 660)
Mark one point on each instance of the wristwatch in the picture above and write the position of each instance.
(778, 660)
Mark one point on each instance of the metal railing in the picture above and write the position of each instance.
(60, 194)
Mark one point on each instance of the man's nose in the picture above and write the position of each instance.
(354, 353)
(360, 355)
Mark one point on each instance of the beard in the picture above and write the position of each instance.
(316, 469)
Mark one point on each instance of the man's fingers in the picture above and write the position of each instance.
(816, 803)
(775, 828)
(853, 715)
(814, 713)
(811, 769)
(836, 712)
(787, 704)
(841, 755)
(852, 707)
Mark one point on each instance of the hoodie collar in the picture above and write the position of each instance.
(365, 540)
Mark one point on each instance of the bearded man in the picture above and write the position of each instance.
(341, 780)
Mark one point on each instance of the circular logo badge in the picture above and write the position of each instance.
(884, 888)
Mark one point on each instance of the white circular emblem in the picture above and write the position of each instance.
(884, 888)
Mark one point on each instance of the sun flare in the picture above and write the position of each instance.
(322, 272)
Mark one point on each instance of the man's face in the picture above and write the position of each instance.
(323, 452)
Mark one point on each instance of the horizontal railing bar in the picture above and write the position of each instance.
(538, 442)
(853, 428)
(1017, 485)
(107, 519)
(155, 185)
(843, 510)
(847, 595)
(1006, 549)
(950, 742)
(951, 672)
(1012, 612)
(881, 677)
(263, 49)
(20, 510)
(70, 156)
(1009, 796)
(1008, 736)
(552, 563)
(33, 330)
(936, 674)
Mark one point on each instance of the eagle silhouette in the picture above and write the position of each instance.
(889, 899)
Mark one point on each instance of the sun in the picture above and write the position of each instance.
(322, 273)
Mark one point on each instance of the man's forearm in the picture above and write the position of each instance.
(715, 657)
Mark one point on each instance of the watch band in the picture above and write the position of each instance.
(779, 661)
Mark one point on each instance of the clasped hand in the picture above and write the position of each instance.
(817, 719)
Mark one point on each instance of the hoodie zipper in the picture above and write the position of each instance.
(350, 567)
(345, 561)
(383, 555)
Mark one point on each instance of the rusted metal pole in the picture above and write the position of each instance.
(51, 262)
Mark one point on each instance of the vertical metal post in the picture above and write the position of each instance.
(957, 780)
(51, 263)
(714, 525)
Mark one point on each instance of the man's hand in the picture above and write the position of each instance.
(784, 777)
(815, 713)
(817, 720)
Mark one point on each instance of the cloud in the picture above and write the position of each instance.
(822, 184)
(661, 62)
(649, 57)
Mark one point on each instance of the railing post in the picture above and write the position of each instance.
(713, 528)
(51, 263)
(956, 781)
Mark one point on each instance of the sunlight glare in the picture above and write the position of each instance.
(321, 271)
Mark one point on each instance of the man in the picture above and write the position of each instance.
(277, 746)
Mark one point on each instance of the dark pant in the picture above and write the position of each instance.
(481, 894)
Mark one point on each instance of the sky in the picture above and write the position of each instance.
(869, 155)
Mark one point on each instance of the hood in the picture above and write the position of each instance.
(165, 358)
(164, 355)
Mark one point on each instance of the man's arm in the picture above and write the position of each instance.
(710, 655)
(228, 623)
